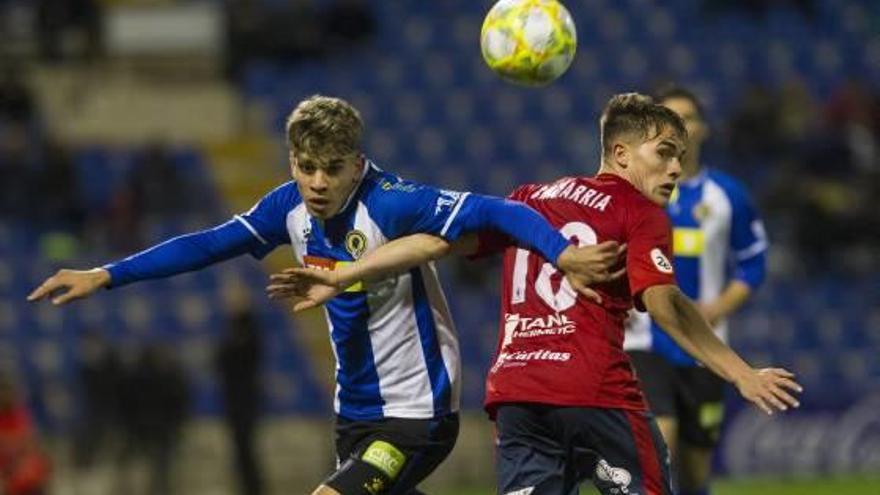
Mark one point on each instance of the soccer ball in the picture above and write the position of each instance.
(530, 42)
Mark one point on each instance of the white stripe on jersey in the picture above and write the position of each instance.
(251, 228)
(713, 259)
(394, 336)
(299, 226)
(454, 213)
(447, 335)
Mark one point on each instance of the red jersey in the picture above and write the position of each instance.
(555, 347)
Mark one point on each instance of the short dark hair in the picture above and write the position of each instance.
(635, 113)
(670, 91)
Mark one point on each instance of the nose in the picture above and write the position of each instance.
(675, 168)
(319, 180)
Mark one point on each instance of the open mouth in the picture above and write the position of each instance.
(666, 189)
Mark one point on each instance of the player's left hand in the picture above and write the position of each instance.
(769, 389)
(590, 265)
(307, 287)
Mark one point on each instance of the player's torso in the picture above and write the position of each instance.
(701, 213)
(394, 340)
(555, 347)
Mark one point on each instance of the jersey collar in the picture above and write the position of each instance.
(367, 166)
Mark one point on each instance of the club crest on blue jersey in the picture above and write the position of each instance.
(701, 212)
(356, 243)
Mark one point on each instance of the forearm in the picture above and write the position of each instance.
(681, 319)
(183, 254)
(731, 299)
(396, 256)
(520, 222)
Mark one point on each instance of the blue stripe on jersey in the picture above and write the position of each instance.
(439, 377)
(359, 393)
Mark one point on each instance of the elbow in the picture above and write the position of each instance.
(435, 247)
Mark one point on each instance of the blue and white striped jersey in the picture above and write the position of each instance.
(717, 236)
(395, 343)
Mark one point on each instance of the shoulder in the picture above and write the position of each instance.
(732, 187)
(384, 188)
(286, 193)
(524, 191)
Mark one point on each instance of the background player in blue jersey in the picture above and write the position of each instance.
(398, 372)
(720, 248)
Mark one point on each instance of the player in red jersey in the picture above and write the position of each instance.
(566, 403)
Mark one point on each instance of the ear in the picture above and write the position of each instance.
(620, 155)
(704, 131)
(291, 159)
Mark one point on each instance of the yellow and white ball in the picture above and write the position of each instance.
(530, 42)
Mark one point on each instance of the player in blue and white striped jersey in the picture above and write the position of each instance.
(720, 248)
(398, 371)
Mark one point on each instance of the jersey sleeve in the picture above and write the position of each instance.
(748, 239)
(404, 208)
(267, 220)
(648, 251)
(491, 242)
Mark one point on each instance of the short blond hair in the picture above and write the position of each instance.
(322, 125)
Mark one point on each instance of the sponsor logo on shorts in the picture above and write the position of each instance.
(374, 486)
(620, 477)
(523, 491)
(385, 457)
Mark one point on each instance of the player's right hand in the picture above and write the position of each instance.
(308, 287)
(589, 265)
(72, 284)
(769, 389)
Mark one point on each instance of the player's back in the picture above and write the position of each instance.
(557, 348)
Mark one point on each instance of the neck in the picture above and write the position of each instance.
(604, 168)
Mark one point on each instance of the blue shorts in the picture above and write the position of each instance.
(551, 450)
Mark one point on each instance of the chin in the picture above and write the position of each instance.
(659, 199)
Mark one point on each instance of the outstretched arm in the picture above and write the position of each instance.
(310, 287)
(178, 255)
(671, 309)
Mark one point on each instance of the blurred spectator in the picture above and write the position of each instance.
(754, 127)
(58, 204)
(159, 188)
(100, 371)
(238, 362)
(24, 468)
(154, 403)
(761, 7)
(293, 31)
(287, 31)
(347, 22)
(16, 173)
(57, 20)
(16, 99)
